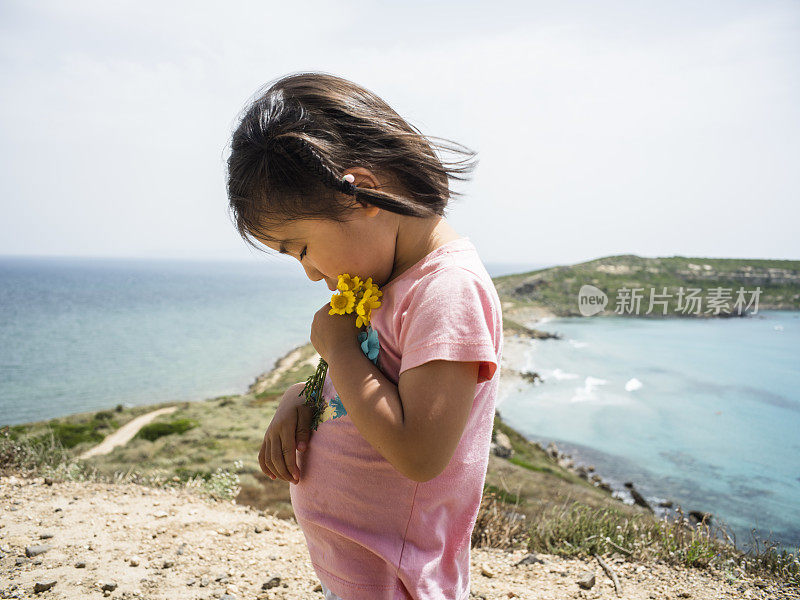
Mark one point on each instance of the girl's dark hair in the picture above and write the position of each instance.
(293, 143)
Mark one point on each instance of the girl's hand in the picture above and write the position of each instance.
(329, 332)
(289, 429)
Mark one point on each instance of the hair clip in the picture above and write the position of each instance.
(349, 187)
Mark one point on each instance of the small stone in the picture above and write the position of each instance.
(31, 551)
(109, 586)
(45, 536)
(529, 559)
(160, 514)
(586, 581)
(48, 480)
(80, 565)
(204, 581)
(486, 571)
(274, 582)
(41, 586)
(21, 561)
(167, 564)
(133, 561)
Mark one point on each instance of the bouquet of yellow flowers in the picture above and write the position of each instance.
(351, 294)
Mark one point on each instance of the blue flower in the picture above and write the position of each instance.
(369, 343)
(337, 405)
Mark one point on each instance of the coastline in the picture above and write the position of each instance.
(515, 344)
(298, 362)
(137, 550)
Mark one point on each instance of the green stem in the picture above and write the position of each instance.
(313, 393)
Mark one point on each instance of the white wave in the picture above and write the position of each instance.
(632, 384)
(577, 344)
(560, 375)
(587, 392)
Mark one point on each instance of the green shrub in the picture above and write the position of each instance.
(72, 434)
(153, 431)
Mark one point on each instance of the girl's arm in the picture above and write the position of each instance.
(373, 404)
(437, 399)
(420, 435)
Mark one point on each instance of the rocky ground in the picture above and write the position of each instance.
(82, 540)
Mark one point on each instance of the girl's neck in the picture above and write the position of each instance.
(416, 238)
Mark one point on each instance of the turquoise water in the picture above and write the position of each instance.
(703, 412)
(81, 335)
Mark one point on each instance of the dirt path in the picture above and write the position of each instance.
(125, 433)
(154, 544)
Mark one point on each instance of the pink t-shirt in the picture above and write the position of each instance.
(373, 533)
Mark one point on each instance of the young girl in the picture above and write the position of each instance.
(388, 492)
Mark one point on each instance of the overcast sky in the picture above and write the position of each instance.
(653, 128)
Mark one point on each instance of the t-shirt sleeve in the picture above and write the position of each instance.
(452, 315)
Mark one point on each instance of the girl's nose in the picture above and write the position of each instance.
(315, 275)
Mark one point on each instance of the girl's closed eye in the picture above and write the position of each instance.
(303, 253)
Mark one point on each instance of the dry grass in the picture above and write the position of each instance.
(572, 529)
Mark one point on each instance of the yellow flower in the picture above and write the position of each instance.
(370, 298)
(349, 284)
(364, 315)
(328, 413)
(354, 293)
(365, 306)
(372, 287)
(342, 303)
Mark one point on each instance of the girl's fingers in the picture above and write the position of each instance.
(266, 462)
(291, 457)
(277, 453)
(261, 464)
(303, 429)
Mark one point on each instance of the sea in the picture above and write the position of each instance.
(702, 412)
